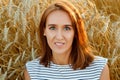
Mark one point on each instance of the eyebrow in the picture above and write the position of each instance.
(56, 25)
(51, 24)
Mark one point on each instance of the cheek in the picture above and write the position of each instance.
(49, 37)
(70, 36)
(47, 34)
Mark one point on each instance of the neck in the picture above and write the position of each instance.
(61, 59)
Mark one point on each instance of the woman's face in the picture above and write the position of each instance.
(59, 32)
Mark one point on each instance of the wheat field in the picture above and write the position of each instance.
(19, 42)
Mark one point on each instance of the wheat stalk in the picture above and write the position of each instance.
(19, 39)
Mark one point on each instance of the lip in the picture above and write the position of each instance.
(59, 43)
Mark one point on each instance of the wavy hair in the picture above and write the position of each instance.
(81, 54)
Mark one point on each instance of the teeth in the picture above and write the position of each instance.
(59, 43)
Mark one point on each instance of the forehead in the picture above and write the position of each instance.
(58, 17)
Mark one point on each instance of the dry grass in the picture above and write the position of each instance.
(19, 20)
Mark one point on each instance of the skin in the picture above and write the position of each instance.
(60, 34)
(26, 75)
(105, 73)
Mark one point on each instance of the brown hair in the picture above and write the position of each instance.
(81, 55)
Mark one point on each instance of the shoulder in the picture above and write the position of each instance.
(101, 63)
(99, 59)
(32, 68)
(30, 65)
(105, 73)
(98, 63)
(33, 62)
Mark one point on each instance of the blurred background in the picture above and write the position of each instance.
(19, 43)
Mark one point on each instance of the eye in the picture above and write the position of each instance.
(52, 27)
(67, 28)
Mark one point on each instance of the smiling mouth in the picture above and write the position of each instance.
(59, 43)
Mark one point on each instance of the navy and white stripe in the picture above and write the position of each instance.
(65, 72)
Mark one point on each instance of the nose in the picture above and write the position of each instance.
(59, 35)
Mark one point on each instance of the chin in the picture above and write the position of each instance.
(59, 52)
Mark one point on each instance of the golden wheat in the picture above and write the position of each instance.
(19, 42)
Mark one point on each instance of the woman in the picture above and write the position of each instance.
(66, 54)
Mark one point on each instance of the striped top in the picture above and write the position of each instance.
(65, 72)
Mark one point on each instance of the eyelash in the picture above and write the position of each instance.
(66, 28)
(52, 28)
